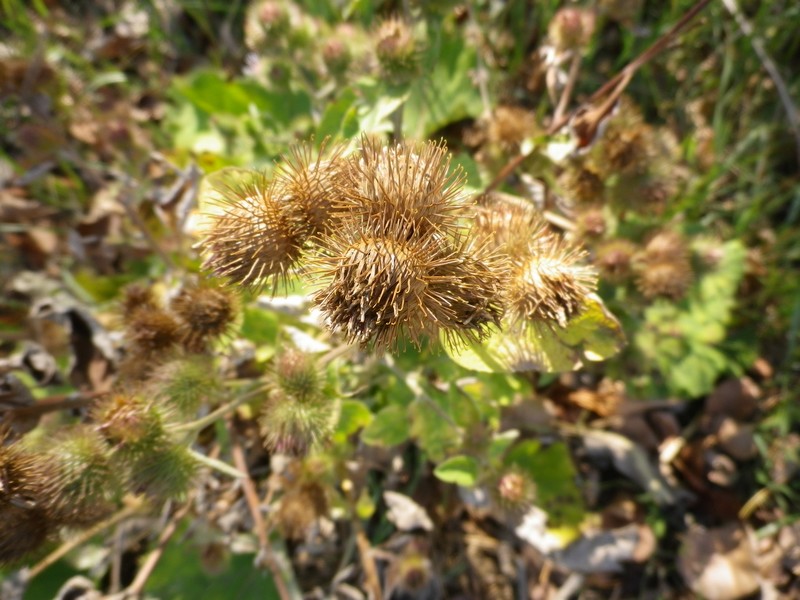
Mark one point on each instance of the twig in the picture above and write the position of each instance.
(566, 94)
(615, 83)
(54, 403)
(134, 590)
(217, 465)
(78, 540)
(265, 554)
(371, 581)
(771, 69)
(203, 422)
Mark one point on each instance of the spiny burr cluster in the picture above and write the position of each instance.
(397, 249)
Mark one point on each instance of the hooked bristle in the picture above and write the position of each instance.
(254, 239)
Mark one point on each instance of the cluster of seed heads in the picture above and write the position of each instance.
(126, 444)
(396, 248)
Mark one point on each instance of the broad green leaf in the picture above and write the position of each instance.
(180, 575)
(435, 432)
(553, 472)
(261, 328)
(594, 334)
(376, 118)
(500, 443)
(682, 339)
(461, 470)
(449, 93)
(208, 91)
(353, 416)
(389, 427)
(340, 119)
(470, 168)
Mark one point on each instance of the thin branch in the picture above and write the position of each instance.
(217, 465)
(203, 422)
(265, 554)
(771, 69)
(135, 589)
(566, 93)
(80, 539)
(616, 83)
(371, 581)
(54, 403)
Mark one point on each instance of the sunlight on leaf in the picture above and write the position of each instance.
(593, 335)
(461, 470)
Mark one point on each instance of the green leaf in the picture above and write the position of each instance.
(461, 470)
(500, 444)
(594, 334)
(434, 431)
(353, 416)
(376, 116)
(449, 93)
(340, 119)
(180, 575)
(261, 327)
(553, 472)
(208, 91)
(389, 427)
(682, 339)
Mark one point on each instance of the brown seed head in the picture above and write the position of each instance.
(571, 28)
(664, 268)
(24, 522)
(508, 224)
(205, 314)
(614, 259)
(590, 222)
(397, 51)
(510, 126)
(582, 184)
(136, 297)
(299, 508)
(152, 331)
(129, 421)
(383, 288)
(627, 146)
(311, 186)
(404, 187)
(548, 283)
(255, 238)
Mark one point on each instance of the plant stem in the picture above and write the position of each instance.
(265, 556)
(78, 540)
(616, 83)
(217, 465)
(195, 426)
(772, 70)
(137, 586)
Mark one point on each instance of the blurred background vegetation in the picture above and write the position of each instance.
(114, 117)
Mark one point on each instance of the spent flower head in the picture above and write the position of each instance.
(404, 186)
(253, 238)
(663, 268)
(397, 51)
(386, 287)
(549, 283)
(205, 313)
